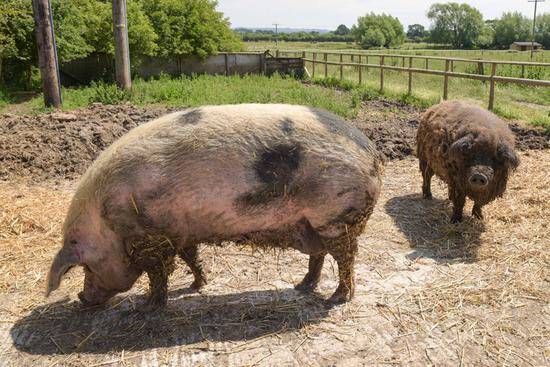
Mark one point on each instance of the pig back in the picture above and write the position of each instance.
(221, 171)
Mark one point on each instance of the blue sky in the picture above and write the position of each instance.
(328, 14)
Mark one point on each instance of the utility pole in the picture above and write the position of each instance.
(534, 25)
(276, 34)
(122, 50)
(47, 53)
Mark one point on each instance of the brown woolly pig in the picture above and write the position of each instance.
(469, 148)
(268, 175)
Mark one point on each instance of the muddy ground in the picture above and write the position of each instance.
(428, 292)
(62, 145)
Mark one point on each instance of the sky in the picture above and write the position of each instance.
(328, 14)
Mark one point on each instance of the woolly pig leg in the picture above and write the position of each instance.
(459, 199)
(345, 258)
(476, 211)
(191, 257)
(311, 280)
(158, 284)
(427, 174)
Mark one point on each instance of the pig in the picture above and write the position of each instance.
(266, 175)
(470, 149)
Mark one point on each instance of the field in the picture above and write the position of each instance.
(530, 104)
(428, 292)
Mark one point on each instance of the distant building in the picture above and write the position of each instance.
(525, 46)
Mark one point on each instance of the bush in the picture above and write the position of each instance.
(107, 93)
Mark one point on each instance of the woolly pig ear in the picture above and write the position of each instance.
(506, 153)
(65, 259)
(461, 146)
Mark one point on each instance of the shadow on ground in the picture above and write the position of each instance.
(66, 327)
(426, 224)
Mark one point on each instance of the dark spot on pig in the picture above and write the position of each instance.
(338, 127)
(275, 169)
(287, 126)
(190, 117)
(350, 216)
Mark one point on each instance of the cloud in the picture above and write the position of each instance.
(329, 14)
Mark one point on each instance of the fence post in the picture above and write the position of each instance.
(325, 59)
(523, 71)
(480, 68)
(341, 67)
(427, 63)
(452, 67)
(360, 71)
(492, 87)
(277, 53)
(122, 50)
(303, 54)
(410, 75)
(446, 81)
(403, 61)
(314, 54)
(381, 74)
(367, 62)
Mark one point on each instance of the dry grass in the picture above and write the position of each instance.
(428, 292)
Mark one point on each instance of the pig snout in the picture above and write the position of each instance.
(480, 177)
(93, 294)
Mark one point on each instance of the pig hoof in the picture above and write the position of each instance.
(306, 286)
(456, 219)
(427, 196)
(339, 297)
(477, 213)
(198, 284)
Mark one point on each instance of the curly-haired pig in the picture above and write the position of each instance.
(469, 148)
(267, 175)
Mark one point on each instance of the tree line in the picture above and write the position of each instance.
(165, 28)
(460, 26)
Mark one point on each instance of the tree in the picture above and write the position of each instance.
(542, 31)
(378, 31)
(457, 24)
(416, 32)
(512, 27)
(17, 41)
(486, 38)
(342, 30)
(190, 27)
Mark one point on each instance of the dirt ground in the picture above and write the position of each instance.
(62, 145)
(428, 292)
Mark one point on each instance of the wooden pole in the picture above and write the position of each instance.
(381, 74)
(122, 50)
(341, 67)
(446, 81)
(410, 75)
(360, 71)
(325, 59)
(492, 87)
(313, 65)
(47, 56)
(427, 63)
(366, 62)
(480, 68)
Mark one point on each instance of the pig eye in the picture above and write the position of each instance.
(465, 146)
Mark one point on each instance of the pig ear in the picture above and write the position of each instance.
(459, 147)
(65, 259)
(506, 153)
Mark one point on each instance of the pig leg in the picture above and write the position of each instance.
(345, 258)
(191, 257)
(459, 199)
(311, 280)
(476, 211)
(312, 244)
(158, 284)
(427, 174)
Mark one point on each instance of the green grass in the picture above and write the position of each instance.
(517, 102)
(204, 90)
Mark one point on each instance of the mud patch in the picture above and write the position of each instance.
(62, 145)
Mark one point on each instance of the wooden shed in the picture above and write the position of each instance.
(525, 46)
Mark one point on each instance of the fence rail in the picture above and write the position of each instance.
(449, 72)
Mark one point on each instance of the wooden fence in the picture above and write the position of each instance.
(361, 61)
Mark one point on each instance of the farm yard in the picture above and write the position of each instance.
(248, 183)
(428, 292)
